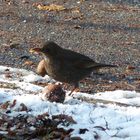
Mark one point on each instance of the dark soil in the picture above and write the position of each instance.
(106, 30)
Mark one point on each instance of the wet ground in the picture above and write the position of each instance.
(106, 30)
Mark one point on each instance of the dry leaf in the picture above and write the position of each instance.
(28, 63)
(130, 67)
(64, 117)
(13, 104)
(44, 115)
(5, 105)
(77, 27)
(34, 50)
(8, 75)
(51, 7)
(76, 11)
(23, 107)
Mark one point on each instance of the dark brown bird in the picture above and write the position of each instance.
(65, 65)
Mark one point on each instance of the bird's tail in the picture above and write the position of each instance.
(100, 65)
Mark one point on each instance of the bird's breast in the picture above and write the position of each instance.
(58, 70)
(53, 68)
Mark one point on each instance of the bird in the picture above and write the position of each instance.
(65, 65)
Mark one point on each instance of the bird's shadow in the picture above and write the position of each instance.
(97, 76)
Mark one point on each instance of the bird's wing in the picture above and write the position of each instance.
(78, 60)
(85, 64)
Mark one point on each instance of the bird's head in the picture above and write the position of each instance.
(49, 49)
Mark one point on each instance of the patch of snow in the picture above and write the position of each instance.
(108, 122)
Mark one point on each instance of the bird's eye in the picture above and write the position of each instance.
(48, 50)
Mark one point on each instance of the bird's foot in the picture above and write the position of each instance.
(74, 90)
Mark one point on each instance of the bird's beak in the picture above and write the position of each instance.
(35, 50)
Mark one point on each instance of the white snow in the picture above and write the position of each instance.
(109, 121)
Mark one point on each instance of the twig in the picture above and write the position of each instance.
(95, 101)
(8, 85)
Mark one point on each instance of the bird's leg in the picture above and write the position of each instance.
(65, 85)
(76, 88)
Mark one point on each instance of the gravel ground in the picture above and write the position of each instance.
(107, 31)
